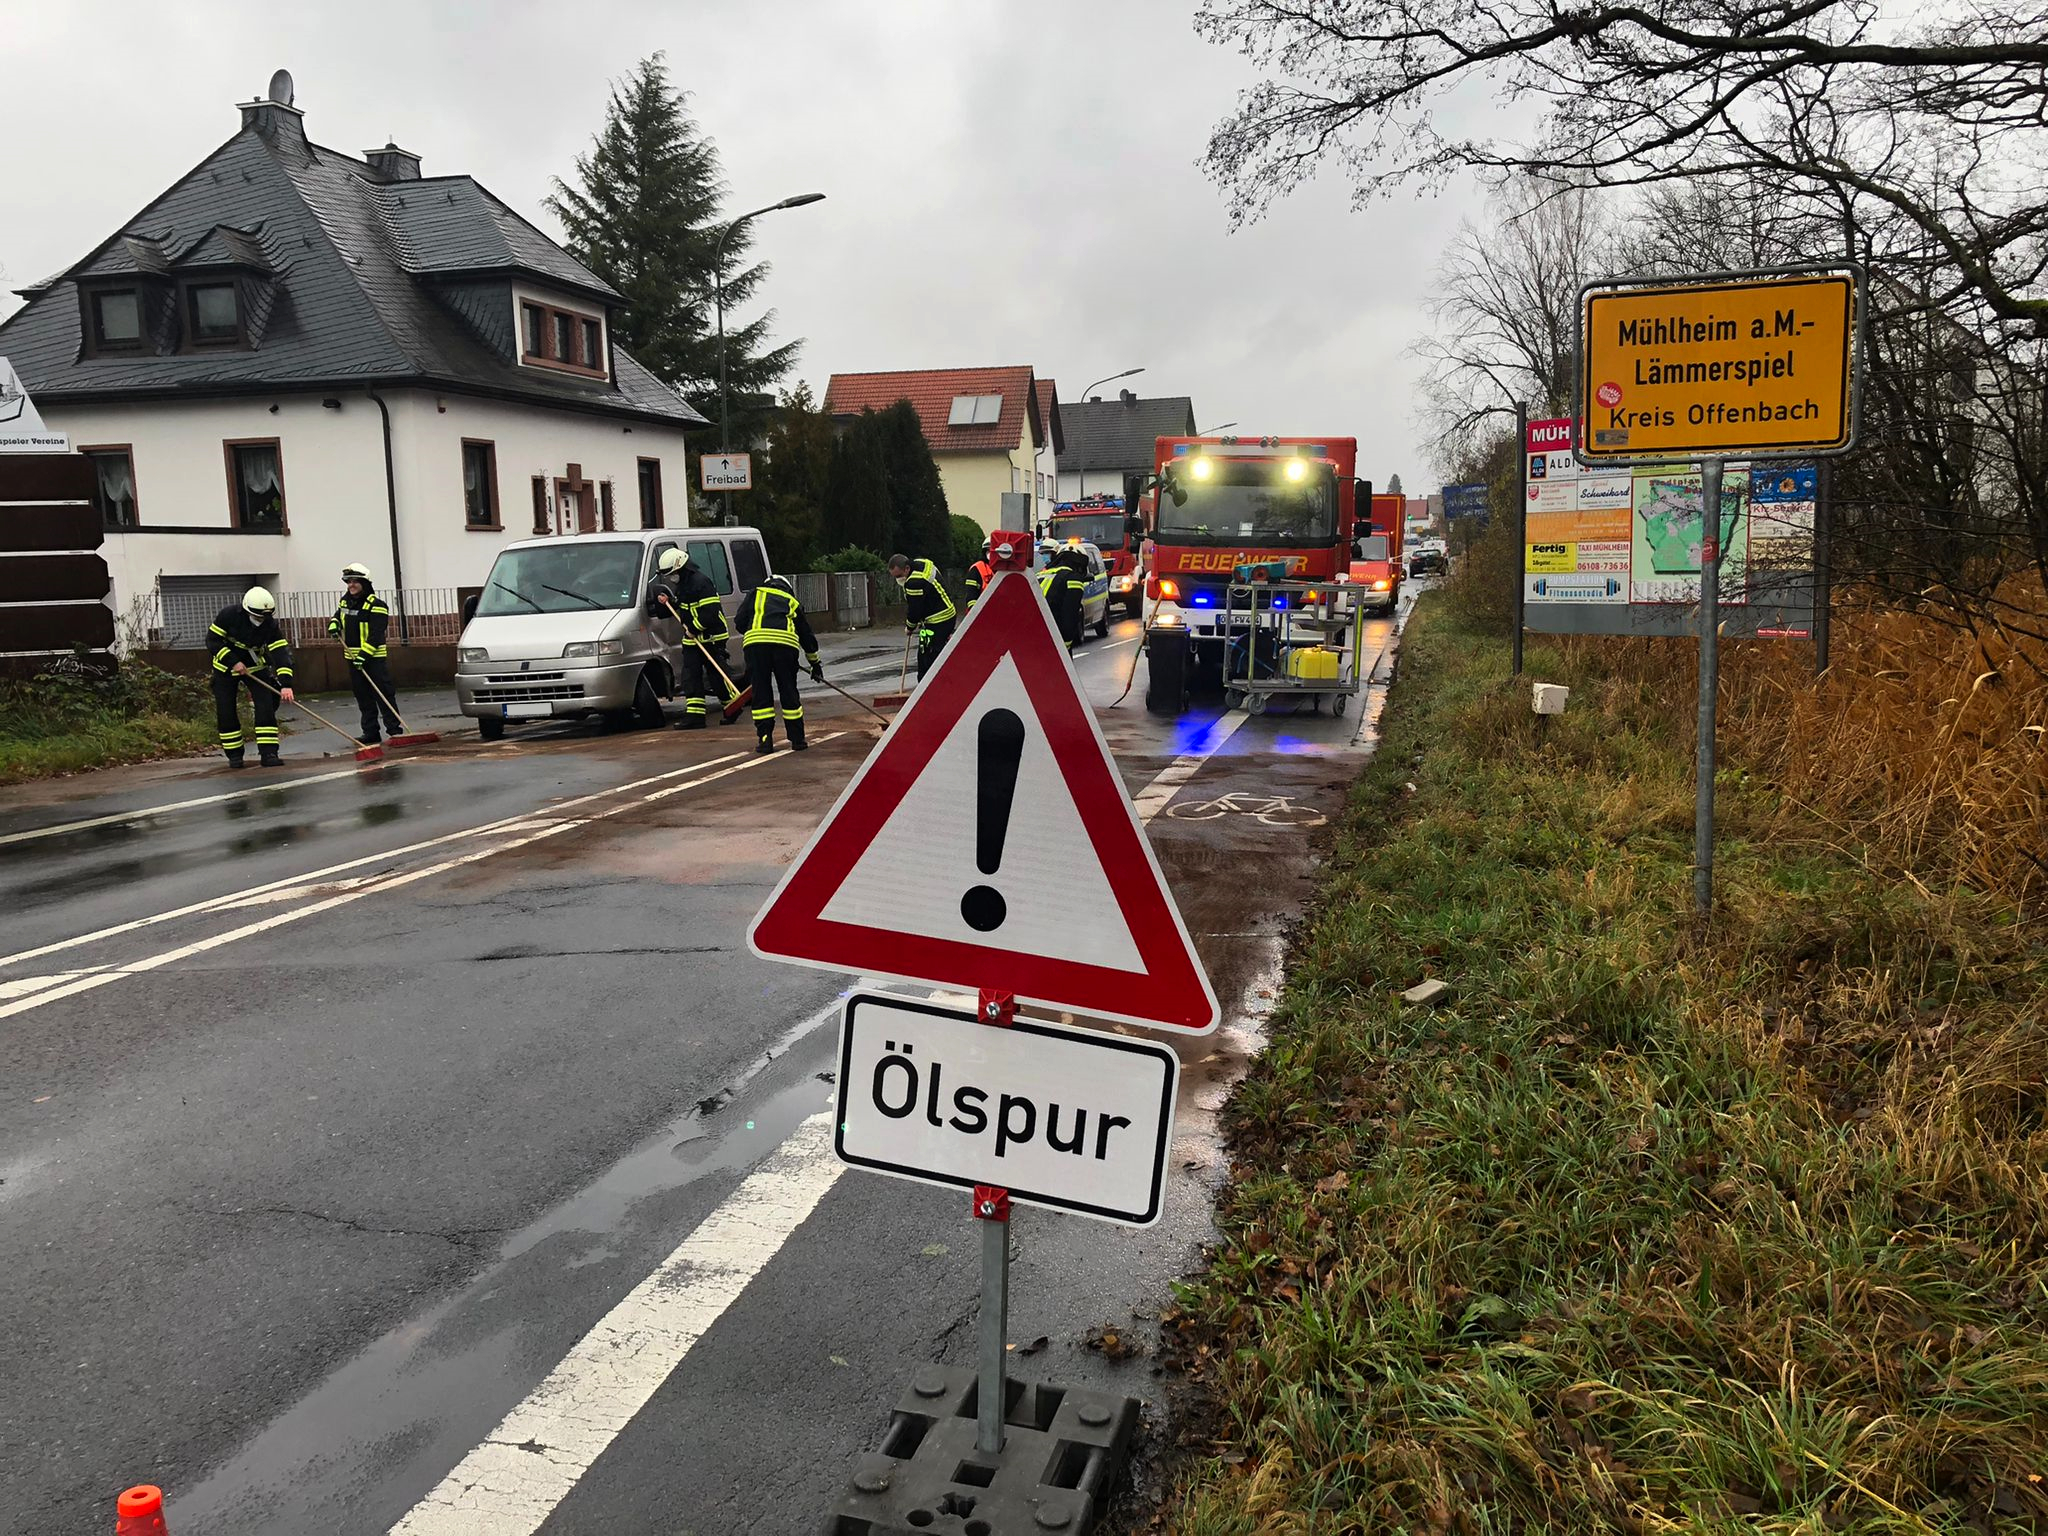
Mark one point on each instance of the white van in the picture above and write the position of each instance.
(561, 626)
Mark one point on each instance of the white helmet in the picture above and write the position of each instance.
(259, 600)
(354, 572)
(671, 559)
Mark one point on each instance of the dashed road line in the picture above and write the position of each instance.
(144, 812)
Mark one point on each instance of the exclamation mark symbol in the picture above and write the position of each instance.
(1000, 744)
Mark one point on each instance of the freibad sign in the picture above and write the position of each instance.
(1071, 1120)
(1740, 368)
(727, 471)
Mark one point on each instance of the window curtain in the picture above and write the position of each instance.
(259, 472)
(117, 486)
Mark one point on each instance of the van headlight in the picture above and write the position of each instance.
(594, 648)
(474, 653)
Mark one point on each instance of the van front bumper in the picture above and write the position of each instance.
(540, 690)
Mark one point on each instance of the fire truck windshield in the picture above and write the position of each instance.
(1239, 501)
(1105, 530)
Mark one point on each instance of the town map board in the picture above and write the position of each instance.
(1615, 550)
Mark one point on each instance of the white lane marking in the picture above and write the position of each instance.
(1151, 800)
(512, 1483)
(237, 898)
(509, 1485)
(145, 812)
(90, 980)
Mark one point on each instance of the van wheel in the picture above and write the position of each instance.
(647, 704)
(1102, 624)
(490, 727)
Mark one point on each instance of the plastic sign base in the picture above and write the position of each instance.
(1062, 1452)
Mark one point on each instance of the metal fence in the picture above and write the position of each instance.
(178, 620)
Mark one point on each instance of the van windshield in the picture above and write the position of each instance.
(563, 578)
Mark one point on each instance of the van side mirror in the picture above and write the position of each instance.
(469, 608)
(1135, 527)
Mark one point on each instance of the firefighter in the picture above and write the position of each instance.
(362, 622)
(249, 647)
(980, 574)
(1061, 587)
(772, 629)
(926, 607)
(683, 589)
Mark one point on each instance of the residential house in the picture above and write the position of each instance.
(985, 427)
(1046, 482)
(1108, 439)
(294, 358)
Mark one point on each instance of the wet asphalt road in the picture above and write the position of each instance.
(387, 1087)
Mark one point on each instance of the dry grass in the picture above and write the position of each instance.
(1649, 1229)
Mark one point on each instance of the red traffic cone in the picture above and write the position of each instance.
(140, 1512)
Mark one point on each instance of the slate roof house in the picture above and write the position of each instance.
(1107, 439)
(985, 427)
(294, 358)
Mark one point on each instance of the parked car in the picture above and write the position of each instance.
(561, 627)
(1095, 595)
(1429, 557)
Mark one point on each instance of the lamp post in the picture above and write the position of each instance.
(718, 292)
(1111, 380)
(1213, 431)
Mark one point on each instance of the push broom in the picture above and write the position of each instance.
(738, 697)
(896, 700)
(372, 753)
(407, 736)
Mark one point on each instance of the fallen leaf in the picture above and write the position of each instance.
(1033, 1347)
(934, 1250)
(837, 1359)
(1333, 1184)
(46, 1098)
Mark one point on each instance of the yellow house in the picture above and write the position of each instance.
(985, 427)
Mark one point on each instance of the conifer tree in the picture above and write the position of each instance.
(645, 215)
(917, 498)
(857, 509)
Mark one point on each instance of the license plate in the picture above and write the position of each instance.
(528, 711)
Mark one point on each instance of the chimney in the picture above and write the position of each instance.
(274, 117)
(393, 164)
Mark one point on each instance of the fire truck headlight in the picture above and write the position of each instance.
(1201, 469)
(1296, 469)
(1383, 585)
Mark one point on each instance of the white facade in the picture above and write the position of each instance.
(332, 470)
(1076, 483)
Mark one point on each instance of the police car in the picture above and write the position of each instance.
(1095, 594)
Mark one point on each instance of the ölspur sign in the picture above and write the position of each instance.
(1733, 365)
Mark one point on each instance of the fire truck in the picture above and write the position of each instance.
(1106, 522)
(1246, 533)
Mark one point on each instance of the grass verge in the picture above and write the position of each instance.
(66, 723)
(1643, 1231)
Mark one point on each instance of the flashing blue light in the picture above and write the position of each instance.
(1180, 450)
(1279, 599)
(1320, 450)
(1203, 600)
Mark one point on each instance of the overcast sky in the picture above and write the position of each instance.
(1007, 182)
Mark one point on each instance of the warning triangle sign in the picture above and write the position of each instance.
(988, 843)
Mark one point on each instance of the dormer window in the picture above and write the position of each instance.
(565, 340)
(213, 313)
(116, 320)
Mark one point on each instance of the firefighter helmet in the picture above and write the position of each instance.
(783, 582)
(354, 572)
(259, 600)
(671, 559)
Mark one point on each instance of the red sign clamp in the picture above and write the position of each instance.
(991, 1203)
(997, 1008)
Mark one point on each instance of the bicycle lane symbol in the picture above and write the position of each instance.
(1269, 810)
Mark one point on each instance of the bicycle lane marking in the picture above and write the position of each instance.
(511, 1483)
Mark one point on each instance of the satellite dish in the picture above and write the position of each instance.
(281, 88)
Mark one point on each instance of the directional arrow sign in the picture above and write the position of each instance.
(988, 843)
(1069, 1119)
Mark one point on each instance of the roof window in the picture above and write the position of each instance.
(975, 411)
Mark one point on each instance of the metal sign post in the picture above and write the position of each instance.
(1521, 525)
(992, 1209)
(1710, 685)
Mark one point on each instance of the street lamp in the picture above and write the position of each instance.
(718, 290)
(1110, 380)
(1213, 431)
